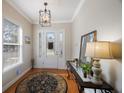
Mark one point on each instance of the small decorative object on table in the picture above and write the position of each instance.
(87, 70)
(32, 63)
(77, 64)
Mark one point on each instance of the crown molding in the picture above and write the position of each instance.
(55, 22)
(77, 10)
(64, 21)
(19, 10)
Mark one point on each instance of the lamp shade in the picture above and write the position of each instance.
(99, 49)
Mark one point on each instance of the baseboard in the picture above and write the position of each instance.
(14, 80)
(50, 69)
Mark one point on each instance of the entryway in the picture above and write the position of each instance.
(52, 49)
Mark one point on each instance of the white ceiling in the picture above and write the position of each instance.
(61, 10)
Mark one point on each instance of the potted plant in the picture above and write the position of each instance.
(87, 69)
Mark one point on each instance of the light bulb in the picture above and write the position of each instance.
(45, 18)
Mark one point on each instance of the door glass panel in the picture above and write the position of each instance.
(50, 43)
(60, 43)
(61, 37)
(40, 44)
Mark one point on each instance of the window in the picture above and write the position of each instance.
(50, 43)
(12, 44)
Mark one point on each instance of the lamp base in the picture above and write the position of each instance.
(96, 72)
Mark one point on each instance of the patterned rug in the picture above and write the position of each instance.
(42, 82)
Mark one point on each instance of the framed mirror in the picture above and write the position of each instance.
(89, 37)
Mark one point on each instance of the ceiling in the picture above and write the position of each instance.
(61, 10)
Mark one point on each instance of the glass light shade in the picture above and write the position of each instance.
(99, 49)
(45, 18)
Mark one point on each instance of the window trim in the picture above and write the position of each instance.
(20, 44)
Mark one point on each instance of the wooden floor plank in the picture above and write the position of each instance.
(72, 86)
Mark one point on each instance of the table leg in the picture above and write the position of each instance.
(81, 89)
(68, 71)
(68, 74)
(102, 91)
(94, 90)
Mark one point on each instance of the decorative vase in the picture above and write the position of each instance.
(85, 75)
(32, 63)
(91, 73)
(96, 72)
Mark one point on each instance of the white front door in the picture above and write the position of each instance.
(52, 49)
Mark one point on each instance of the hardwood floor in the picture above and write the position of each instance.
(72, 86)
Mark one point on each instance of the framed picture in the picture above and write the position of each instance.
(27, 40)
(89, 37)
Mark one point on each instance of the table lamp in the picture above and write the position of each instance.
(98, 50)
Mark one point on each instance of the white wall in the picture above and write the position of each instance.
(11, 75)
(105, 17)
(38, 28)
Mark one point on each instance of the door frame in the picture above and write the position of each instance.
(41, 60)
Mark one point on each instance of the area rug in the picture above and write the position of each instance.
(42, 82)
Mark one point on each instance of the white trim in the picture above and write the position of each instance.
(14, 80)
(7, 68)
(19, 10)
(11, 44)
(64, 21)
(77, 9)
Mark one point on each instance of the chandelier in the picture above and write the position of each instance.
(45, 17)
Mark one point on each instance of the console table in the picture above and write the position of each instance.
(85, 82)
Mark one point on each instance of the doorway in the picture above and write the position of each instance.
(52, 49)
